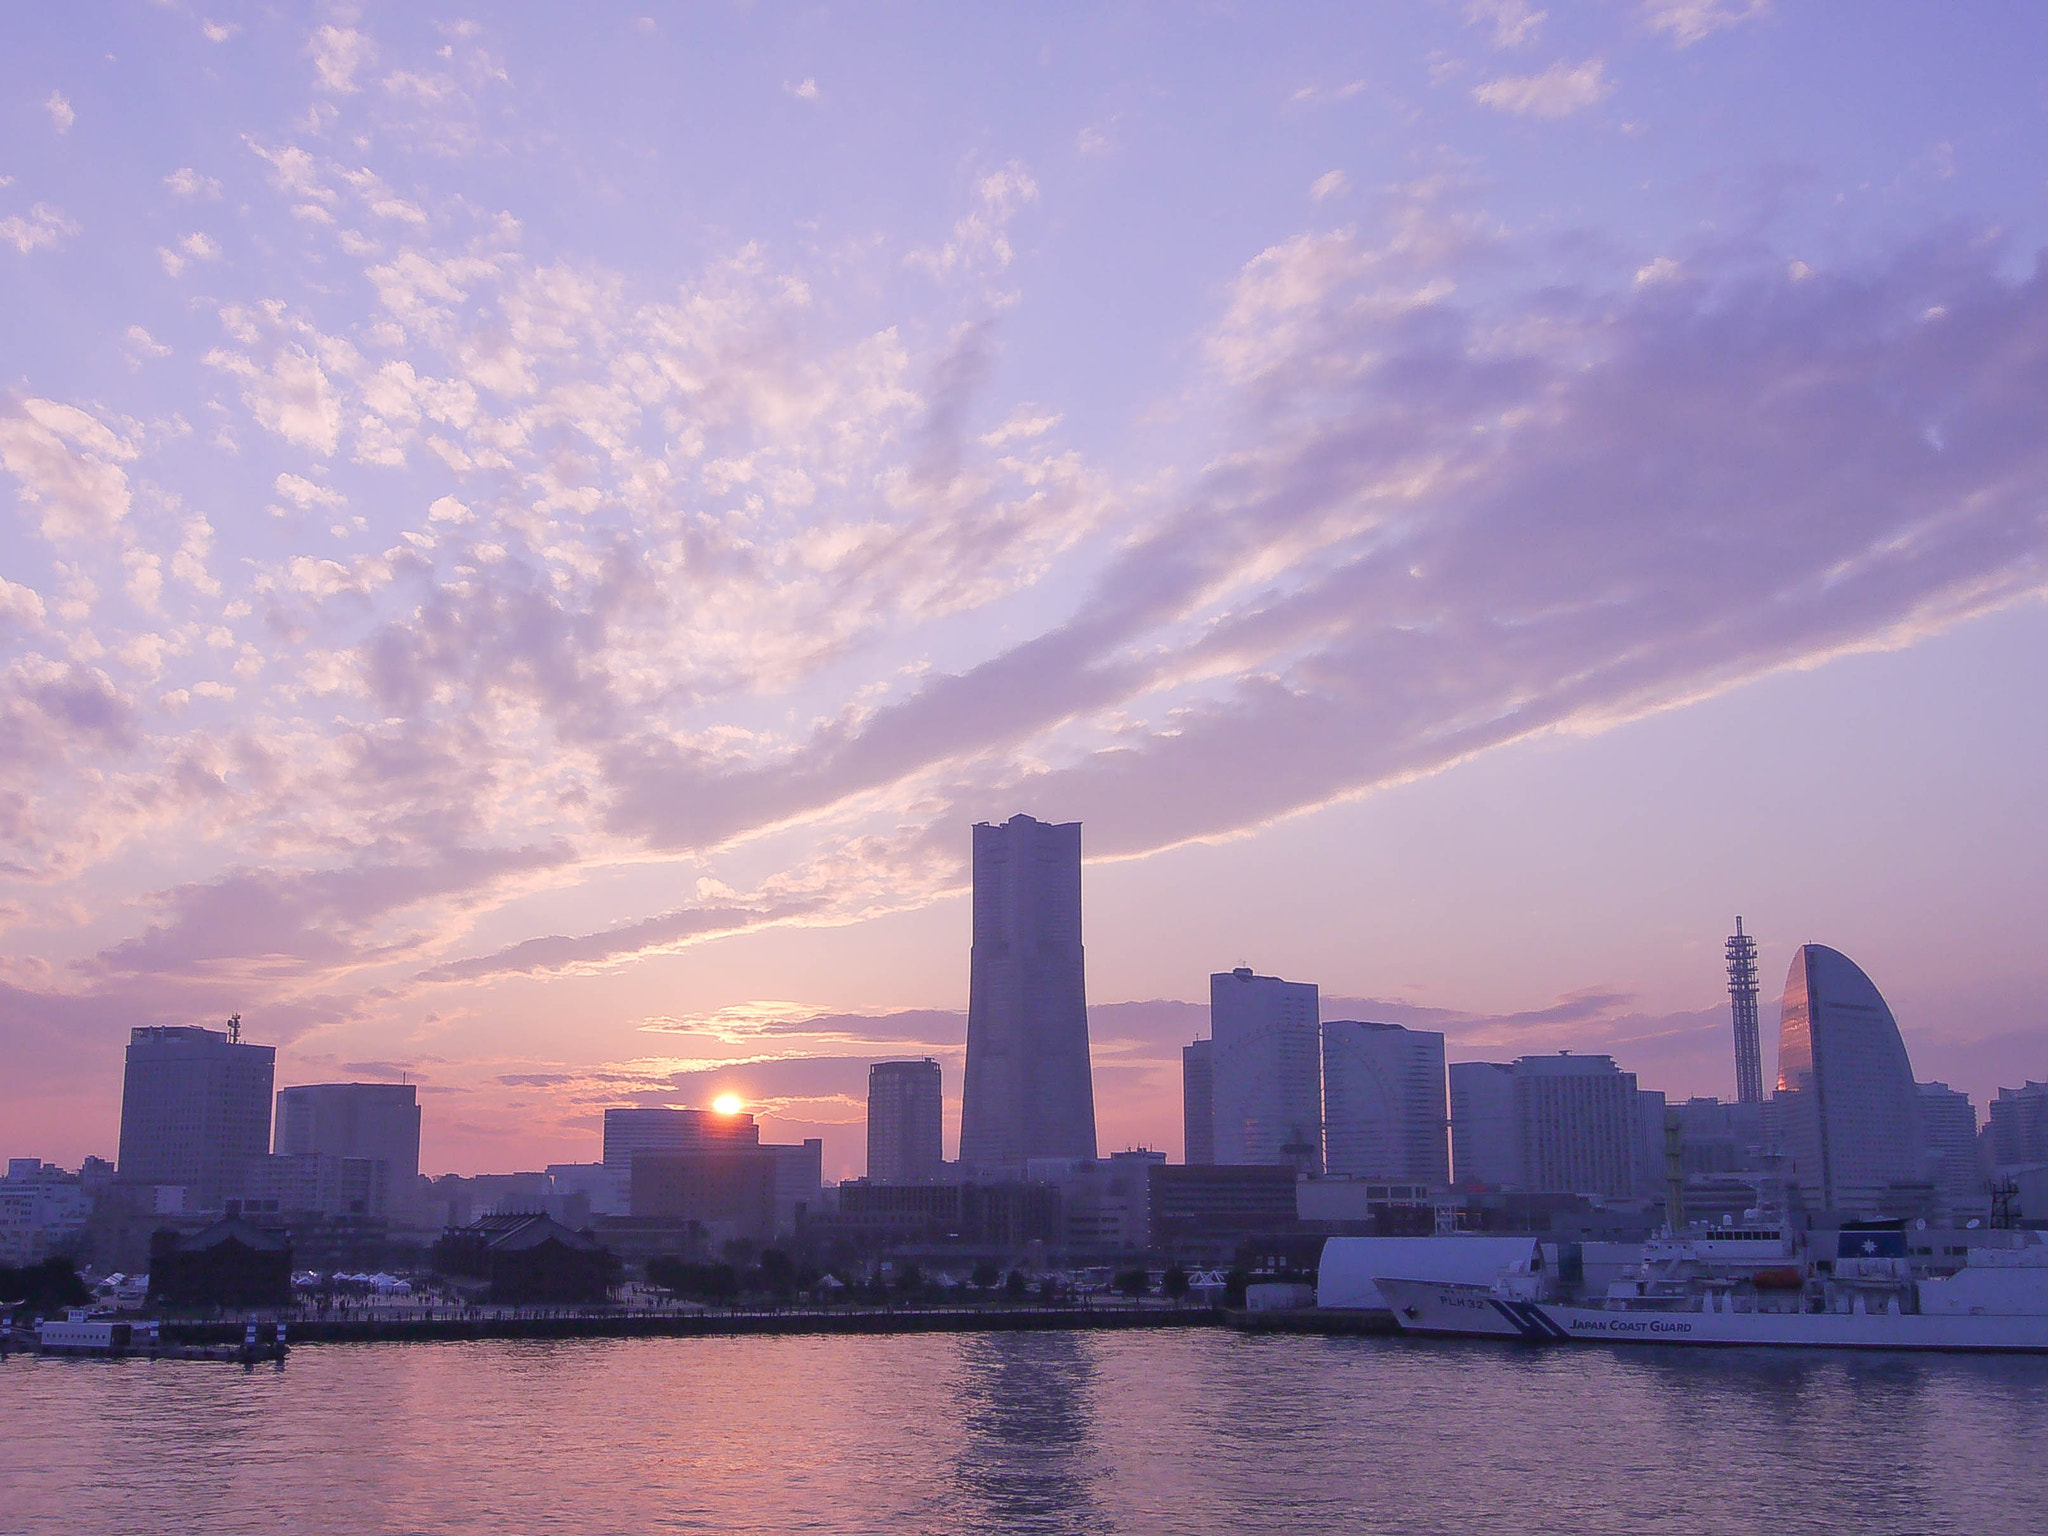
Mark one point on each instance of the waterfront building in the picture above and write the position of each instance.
(1029, 1089)
(905, 1122)
(1578, 1125)
(1948, 1121)
(1848, 1110)
(578, 1192)
(1266, 1055)
(2019, 1126)
(1385, 1116)
(529, 1259)
(1198, 1102)
(195, 1109)
(1485, 1149)
(229, 1264)
(628, 1132)
(1105, 1203)
(316, 1184)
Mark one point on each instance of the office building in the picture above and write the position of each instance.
(628, 1132)
(195, 1109)
(1198, 1102)
(1848, 1109)
(1720, 1137)
(1485, 1149)
(905, 1122)
(1029, 1091)
(1384, 1111)
(1266, 1054)
(380, 1121)
(1578, 1125)
(2019, 1126)
(1948, 1122)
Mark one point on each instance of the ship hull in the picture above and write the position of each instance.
(1469, 1312)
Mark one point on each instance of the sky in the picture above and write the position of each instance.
(529, 534)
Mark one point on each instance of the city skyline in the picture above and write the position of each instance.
(528, 541)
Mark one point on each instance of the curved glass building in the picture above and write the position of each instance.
(1848, 1111)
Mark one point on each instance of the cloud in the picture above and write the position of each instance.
(186, 182)
(981, 236)
(61, 114)
(1559, 91)
(338, 52)
(43, 226)
(1329, 184)
(1687, 22)
(1512, 22)
(68, 465)
(805, 89)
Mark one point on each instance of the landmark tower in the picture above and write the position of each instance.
(1029, 1090)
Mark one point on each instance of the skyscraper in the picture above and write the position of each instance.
(1949, 1122)
(1848, 1110)
(1578, 1124)
(1198, 1101)
(1383, 1103)
(1029, 1090)
(1266, 1045)
(195, 1109)
(905, 1122)
(1749, 1062)
(380, 1121)
(1485, 1148)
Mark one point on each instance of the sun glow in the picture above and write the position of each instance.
(726, 1104)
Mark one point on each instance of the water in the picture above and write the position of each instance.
(1182, 1431)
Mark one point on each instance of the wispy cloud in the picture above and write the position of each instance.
(1559, 91)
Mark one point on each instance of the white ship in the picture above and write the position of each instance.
(1759, 1287)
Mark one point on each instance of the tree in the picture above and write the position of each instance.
(1014, 1286)
(1174, 1283)
(44, 1287)
(910, 1280)
(985, 1277)
(1233, 1287)
(1134, 1283)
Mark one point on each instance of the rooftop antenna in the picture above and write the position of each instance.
(234, 1029)
(1749, 1061)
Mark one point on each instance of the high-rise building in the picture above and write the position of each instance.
(1578, 1124)
(1198, 1101)
(371, 1120)
(1485, 1146)
(1848, 1110)
(195, 1109)
(631, 1131)
(1384, 1111)
(905, 1122)
(1029, 1089)
(2019, 1126)
(1266, 1045)
(1948, 1121)
(1749, 1062)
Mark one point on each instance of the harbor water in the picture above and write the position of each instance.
(1186, 1431)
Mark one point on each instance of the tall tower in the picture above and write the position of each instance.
(1267, 1069)
(1749, 1061)
(1029, 1090)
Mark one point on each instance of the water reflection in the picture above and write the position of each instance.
(1027, 1457)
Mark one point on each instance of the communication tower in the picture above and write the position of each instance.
(1749, 1061)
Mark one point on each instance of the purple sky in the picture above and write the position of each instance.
(528, 540)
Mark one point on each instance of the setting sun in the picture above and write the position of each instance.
(726, 1104)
